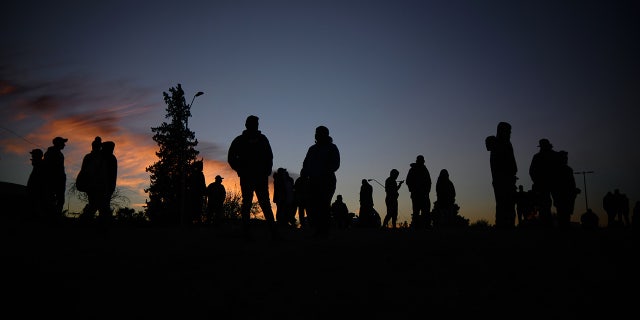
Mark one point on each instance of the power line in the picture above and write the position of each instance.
(21, 137)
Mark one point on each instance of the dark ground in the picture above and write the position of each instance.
(203, 273)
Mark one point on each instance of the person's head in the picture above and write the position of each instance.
(394, 173)
(59, 142)
(564, 157)
(444, 173)
(96, 144)
(504, 130)
(108, 146)
(322, 134)
(339, 198)
(252, 122)
(36, 154)
(219, 178)
(420, 159)
(544, 144)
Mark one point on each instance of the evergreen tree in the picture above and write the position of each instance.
(177, 155)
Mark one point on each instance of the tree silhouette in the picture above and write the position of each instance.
(176, 155)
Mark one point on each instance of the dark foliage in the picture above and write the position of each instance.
(176, 156)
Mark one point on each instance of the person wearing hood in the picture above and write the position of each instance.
(419, 183)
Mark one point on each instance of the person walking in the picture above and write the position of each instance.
(251, 156)
(419, 183)
(391, 187)
(319, 167)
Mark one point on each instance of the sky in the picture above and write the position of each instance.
(390, 79)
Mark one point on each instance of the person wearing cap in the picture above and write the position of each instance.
(36, 185)
(319, 168)
(543, 170)
(503, 173)
(216, 193)
(56, 177)
(250, 155)
(419, 184)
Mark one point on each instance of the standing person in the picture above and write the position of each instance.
(111, 167)
(92, 180)
(196, 189)
(367, 215)
(283, 198)
(446, 198)
(250, 155)
(565, 191)
(543, 170)
(391, 188)
(609, 206)
(419, 184)
(36, 186)
(319, 167)
(340, 213)
(56, 177)
(300, 196)
(621, 206)
(216, 194)
(503, 174)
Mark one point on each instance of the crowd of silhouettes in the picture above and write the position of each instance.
(310, 195)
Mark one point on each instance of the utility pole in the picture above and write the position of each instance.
(183, 187)
(584, 179)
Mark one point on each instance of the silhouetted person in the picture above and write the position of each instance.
(320, 166)
(609, 206)
(525, 206)
(36, 186)
(250, 155)
(216, 194)
(564, 191)
(367, 216)
(621, 208)
(419, 183)
(300, 196)
(92, 180)
(503, 174)
(283, 198)
(108, 148)
(543, 170)
(391, 188)
(56, 178)
(196, 189)
(99, 172)
(340, 213)
(446, 199)
(589, 220)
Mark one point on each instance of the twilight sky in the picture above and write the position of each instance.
(390, 79)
